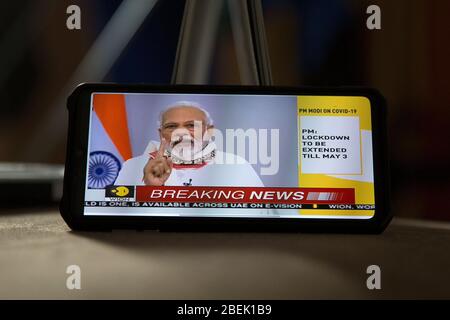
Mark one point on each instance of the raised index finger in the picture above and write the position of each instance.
(162, 148)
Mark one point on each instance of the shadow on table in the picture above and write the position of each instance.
(408, 256)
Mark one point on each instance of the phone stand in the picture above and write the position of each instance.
(199, 32)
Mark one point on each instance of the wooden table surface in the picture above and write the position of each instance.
(36, 248)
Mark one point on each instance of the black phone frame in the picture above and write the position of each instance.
(72, 203)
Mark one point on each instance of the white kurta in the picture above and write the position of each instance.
(235, 171)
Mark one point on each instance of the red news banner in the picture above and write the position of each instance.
(246, 195)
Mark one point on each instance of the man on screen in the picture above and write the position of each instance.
(186, 155)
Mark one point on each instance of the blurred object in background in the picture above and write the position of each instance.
(311, 42)
(30, 184)
(126, 41)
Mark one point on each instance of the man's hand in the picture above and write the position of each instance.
(158, 170)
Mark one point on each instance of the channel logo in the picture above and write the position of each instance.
(122, 193)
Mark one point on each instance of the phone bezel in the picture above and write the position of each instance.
(72, 203)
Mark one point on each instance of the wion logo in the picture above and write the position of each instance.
(119, 193)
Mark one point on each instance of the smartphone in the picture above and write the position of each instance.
(226, 158)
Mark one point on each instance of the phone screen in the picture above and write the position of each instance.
(230, 155)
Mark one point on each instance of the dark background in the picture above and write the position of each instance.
(311, 42)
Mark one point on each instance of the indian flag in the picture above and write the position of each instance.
(110, 144)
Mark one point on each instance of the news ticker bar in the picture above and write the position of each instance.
(199, 205)
(237, 195)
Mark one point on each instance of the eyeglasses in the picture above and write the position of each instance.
(171, 126)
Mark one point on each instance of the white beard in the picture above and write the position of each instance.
(189, 152)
